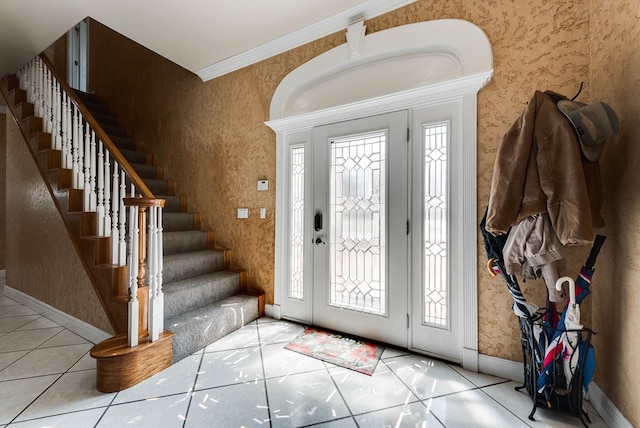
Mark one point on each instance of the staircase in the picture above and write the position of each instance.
(204, 297)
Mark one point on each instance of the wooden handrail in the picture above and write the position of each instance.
(100, 133)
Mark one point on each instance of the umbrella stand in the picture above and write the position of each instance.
(543, 364)
(557, 377)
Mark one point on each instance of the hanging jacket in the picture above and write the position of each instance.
(538, 168)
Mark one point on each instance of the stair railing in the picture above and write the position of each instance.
(125, 208)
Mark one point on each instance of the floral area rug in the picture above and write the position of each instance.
(337, 349)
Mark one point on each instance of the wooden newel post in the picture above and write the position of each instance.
(143, 289)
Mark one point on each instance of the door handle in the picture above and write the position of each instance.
(317, 222)
(319, 241)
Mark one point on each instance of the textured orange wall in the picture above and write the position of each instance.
(213, 142)
(3, 189)
(615, 75)
(212, 139)
(41, 259)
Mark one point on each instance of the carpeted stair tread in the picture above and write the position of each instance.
(95, 107)
(199, 328)
(177, 267)
(145, 171)
(134, 157)
(172, 205)
(157, 187)
(175, 222)
(115, 131)
(124, 143)
(88, 97)
(184, 242)
(105, 119)
(193, 293)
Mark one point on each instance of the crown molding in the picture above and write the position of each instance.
(367, 10)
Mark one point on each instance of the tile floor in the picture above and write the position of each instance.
(47, 379)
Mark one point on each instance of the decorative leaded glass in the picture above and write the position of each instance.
(436, 290)
(357, 210)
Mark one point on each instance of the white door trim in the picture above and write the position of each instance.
(400, 68)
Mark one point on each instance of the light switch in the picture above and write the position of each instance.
(263, 185)
(243, 212)
(263, 213)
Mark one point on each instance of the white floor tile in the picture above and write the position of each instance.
(393, 352)
(304, 399)
(166, 412)
(65, 337)
(27, 339)
(218, 407)
(340, 423)
(84, 419)
(280, 362)
(229, 367)
(471, 409)
(365, 394)
(278, 331)
(246, 337)
(45, 361)
(177, 379)
(478, 379)
(17, 311)
(15, 395)
(87, 362)
(428, 378)
(72, 392)
(5, 301)
(39, 322)
(8, 324)
(5, 310)
(411, 415)
(520, 404)
(7, 358)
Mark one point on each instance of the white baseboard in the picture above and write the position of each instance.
(606, 409)
(81, 328)
(512, 370)
(500, 367)
(272, 311)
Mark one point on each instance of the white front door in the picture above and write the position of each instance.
(374, 212)
(360, 239)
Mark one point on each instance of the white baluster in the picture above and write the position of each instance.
(115, 215)
(86, 167)
(57, 117)
(132, 263)
(107, 197)
(40, 89)
(75, 167)
(92, 170)
(122, 243)
(100, 206)
(156, 297)
(47, 101)
(66, 152)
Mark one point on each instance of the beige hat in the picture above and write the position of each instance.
(594, 123)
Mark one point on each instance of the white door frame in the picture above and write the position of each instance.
(401, 68)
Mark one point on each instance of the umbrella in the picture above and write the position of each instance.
(581, 290)
(572, 325)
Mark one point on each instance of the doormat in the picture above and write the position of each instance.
(343, 351)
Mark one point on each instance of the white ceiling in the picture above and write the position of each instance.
(207, 37)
